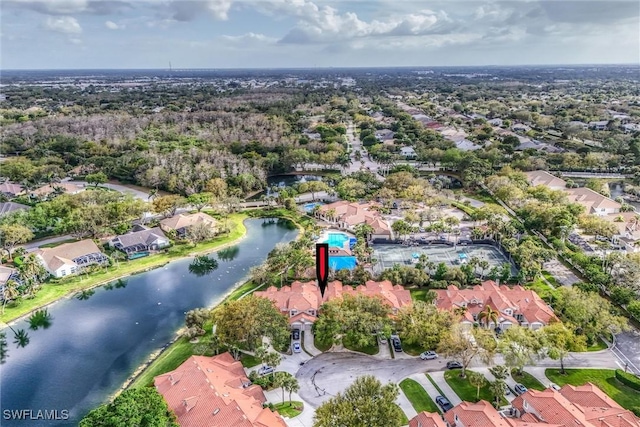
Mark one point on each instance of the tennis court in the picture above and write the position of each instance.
(388, 255)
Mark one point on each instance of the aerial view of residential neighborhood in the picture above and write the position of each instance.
(314, 213)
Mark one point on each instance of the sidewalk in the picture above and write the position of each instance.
(438, 378)
(538, 373)
(405, 405)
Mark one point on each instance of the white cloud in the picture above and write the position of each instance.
(112, 25)
(63, 24)
(249, 37)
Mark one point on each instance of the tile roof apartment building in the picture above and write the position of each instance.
(215, 392)
(571, 406)
(301, 301)
(516, 305)
(347, 215)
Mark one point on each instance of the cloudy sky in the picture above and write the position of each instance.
(315, 33)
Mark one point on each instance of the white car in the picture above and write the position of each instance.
(266, 370)
(296, 347)
(428, 355)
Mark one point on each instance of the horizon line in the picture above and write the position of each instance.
(174, 69)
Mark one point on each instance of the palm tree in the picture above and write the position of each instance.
(477, 380)
(9, 292)
(483, 265)
(291, 385)
(488, 315)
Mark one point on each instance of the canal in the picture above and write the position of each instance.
(94, 345)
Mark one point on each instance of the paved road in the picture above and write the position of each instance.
(305, 419)
(138, 194)
(405, 405)
(627, 348)
(324, 376)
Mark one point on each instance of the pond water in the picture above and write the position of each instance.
(617, 190)
(282, 181)
(94, 345)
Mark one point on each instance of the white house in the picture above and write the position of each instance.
(408, 152)
(70, 258)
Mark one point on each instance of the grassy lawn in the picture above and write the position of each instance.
(550, 278)
(169, 360)
(418, 396)
(368, 349)
(289, 410)
(603, 378)
(466, 391)
(412, 349)
(419, 294)
(56, 289)
(249, 361)
(543, 290)
(527, 380)
(598, 345)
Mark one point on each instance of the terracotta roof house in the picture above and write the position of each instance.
(349, 214)
(215, 392)
(181, 222)
(427, 419)
(478, 414)
(628, 224)
(7, 208)
(594, 202)
(581, 406)
(585, 405)
(70, 258)
(146, 240)
(301, 301)
(11, 189)
(516, 304)
(545, 178)
(60, 188)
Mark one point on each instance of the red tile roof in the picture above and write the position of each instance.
(500, 298)
(215, 392)
(427, 419)
(306, 296)
(469, 414)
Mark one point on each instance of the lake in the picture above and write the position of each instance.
(94, 345)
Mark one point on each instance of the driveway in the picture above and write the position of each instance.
(427, 385)
(324, 376)
(438, 378)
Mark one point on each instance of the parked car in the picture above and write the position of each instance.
(397, 345)
(454, 365)
(520, 389)
(428, 355)
(266, 370)
(554, 386)
(444, 403)
(296, 347)
(295, 334)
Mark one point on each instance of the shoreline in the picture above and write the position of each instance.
(71, 293)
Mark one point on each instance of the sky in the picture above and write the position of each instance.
(98, 34)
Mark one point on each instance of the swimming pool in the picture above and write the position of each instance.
(336, 240)
(342, 263)
(308, 207)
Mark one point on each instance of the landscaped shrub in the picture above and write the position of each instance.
(628, 379)
(621, 295)
(636, 410)
(587, 287)
(634, 309)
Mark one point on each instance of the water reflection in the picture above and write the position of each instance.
(203, 265)
(228, 254)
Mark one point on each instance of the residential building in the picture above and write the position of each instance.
(70, 258)
(145, 240)
(57, 188)
(301, 301)
(427, 419)
(11, 189)
(180, 223)
(540, 177)
(516, 305)
(347, 215)
(599, 125)
(384, 134)
(408, 152)
(495, 122)
(593, 202)
(520, 128)
(7, 208)
(631, 127)
(571, 406)
(578, 124)
(628, 224)
(215, 391)
(6, 274)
